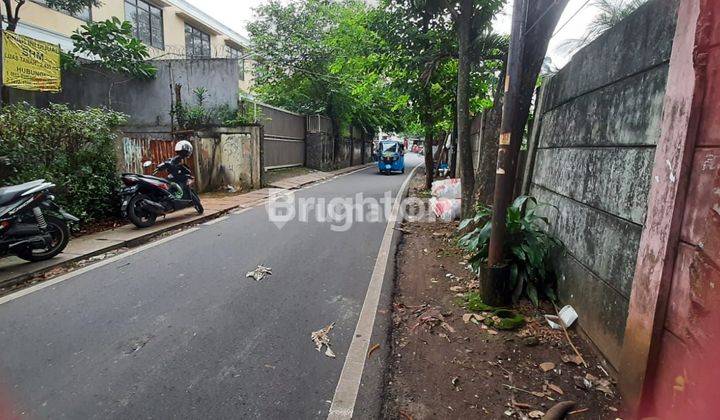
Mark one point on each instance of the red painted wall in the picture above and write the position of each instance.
(687, 376)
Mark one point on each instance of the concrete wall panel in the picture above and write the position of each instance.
(638, 43)
(614, 180)
(599, 306)
(601, 119)
(626, 113)
(603, 244)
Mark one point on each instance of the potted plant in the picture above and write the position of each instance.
(528, 249)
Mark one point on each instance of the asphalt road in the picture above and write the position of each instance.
(178, 331)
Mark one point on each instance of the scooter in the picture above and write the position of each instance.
(145, 197)
(32, 225)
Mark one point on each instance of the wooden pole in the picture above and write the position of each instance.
(511, 131)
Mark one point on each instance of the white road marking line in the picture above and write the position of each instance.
(68, 276)
(343, 403)
(218, 220)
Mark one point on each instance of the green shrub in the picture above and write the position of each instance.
(74, 149)
(527, 251)
(198, 116)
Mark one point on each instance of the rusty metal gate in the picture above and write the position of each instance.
(138, 150)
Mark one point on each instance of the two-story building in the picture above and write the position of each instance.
(170, 28)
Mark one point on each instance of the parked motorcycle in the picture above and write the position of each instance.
(32, 225)
(146, 197)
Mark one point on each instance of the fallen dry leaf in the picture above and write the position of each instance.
(575, 359)
(372, 349)
(322, 338)
(547, 366)
(556, 389)
(536, 414)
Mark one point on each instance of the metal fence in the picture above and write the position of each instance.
(284, 142)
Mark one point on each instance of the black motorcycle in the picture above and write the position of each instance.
(145, 197)
(32, 226)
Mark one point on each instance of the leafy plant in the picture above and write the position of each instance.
(198, 116)
(113, 43)
(528, 247)
(75, 149)
(193, 117)
(12, 12)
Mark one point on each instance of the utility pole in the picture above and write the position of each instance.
(511, 132)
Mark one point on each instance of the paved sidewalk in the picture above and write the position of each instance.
(14, 270)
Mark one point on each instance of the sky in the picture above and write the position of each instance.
(237, 13)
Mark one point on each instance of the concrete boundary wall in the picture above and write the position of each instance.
(600, 120)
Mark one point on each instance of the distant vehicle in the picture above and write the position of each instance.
(32, 226)
(391, 157)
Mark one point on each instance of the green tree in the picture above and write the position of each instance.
(418, 43)
(323, 57)
(472, 17)
(11, 14)
(113, 44)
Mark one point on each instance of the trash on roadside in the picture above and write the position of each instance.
(603, 385)
(322, 338)
(547, 366)
(568, 316)
(446, 209)
(447, 188)
(259, 273)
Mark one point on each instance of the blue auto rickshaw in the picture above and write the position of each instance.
(391, 157)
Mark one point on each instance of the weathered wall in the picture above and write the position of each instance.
(230, 156)
(149, 103)
(684, 375)
(600, 122)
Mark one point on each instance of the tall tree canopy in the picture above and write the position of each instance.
(320, 56)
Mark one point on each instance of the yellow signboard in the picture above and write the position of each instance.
(29, 64)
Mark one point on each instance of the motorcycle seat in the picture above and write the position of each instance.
(154, 178)
(8, 194)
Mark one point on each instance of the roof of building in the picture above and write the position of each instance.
(210, 21)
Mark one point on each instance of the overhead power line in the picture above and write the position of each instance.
(557, 31)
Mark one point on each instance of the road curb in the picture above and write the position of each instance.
(145, 238)
(349, 389)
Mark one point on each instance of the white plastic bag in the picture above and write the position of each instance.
(447, 188)
(447, 209)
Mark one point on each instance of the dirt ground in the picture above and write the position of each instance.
(460, 369)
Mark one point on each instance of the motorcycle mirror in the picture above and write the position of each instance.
(147, 164)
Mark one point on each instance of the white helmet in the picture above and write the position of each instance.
(184, 148)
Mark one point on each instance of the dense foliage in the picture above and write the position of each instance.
(114, 46)
(527, 250)
(324, 57)
(421, 45)
(75, 149)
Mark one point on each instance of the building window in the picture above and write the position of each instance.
(147, 22)
(238, 55)
(197, 43)
(85, 14)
